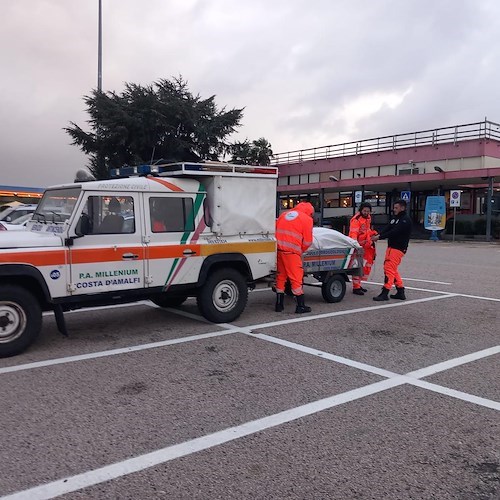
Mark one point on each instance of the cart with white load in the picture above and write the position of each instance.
(330, 260)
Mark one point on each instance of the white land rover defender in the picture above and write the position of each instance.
(163, 232)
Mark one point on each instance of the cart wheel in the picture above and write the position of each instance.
(333, 289)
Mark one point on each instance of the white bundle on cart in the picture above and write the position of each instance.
(329, 238)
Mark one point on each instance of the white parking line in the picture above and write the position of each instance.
(427, 281)
(327, 355)
(114, 352)
(229, 329)
(480, 297)
(414, 288)
(100, 308)
(314, 317)
(164, 455)
(136, 464)
(452, 363)
(142, 462)
(412, 378)
(446, 391)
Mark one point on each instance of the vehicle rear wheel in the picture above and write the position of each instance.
(224, 296)
(164, 300)
(20, 319)
(333, 289)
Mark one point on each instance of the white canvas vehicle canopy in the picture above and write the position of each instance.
(238, 207)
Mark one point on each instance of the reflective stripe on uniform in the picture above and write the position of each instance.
(289, 245)
(295, 234)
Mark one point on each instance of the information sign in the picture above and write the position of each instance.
(406, 195)
(435, 213)
(455, 198)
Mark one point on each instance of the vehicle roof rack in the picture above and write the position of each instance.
(207, 168)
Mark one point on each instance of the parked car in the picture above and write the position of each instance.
(11, 214)
(9, 204)
(18, 225)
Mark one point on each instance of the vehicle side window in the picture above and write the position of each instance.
(171, 214)
(110, 214)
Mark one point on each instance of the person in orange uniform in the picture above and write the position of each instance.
(360, 230)
(293, 237)
(397, 233)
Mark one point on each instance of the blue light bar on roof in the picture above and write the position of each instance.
(127, 171)
(206, 168)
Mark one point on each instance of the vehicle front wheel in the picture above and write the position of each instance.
(224, 296)
(333, 289)
(20, 319)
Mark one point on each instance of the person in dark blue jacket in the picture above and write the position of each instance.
(397, 233)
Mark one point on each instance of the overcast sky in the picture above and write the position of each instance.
(308, 72)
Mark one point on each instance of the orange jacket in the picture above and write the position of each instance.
(294, 229)
(360, 229)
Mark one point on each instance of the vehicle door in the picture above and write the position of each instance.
(173, 222)
(110, 255)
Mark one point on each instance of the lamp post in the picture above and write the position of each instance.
(489, 200)
(99, 50)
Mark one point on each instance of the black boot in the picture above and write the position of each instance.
(400, 294)
(384, 295)
(301, 306)
(358, 291)
(280, 298)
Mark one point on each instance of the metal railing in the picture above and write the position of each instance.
(446, 135)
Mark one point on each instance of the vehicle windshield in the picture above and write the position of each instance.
(21, 220)
(57, 205)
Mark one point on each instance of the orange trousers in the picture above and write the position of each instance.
(392, 260)
(289, 266)
(368, 259)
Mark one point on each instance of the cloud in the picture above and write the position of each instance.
(307, 73)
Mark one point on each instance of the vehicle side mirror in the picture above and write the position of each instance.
(8, 218)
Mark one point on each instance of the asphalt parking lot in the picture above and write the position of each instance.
(361, 400)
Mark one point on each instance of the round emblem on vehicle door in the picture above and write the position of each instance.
(55, 274)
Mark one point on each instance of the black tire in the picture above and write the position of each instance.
(333, 289)
(164, 300)
(224, 296)
(20, 320)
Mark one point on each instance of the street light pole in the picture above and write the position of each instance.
(489, 199)
(99, 50)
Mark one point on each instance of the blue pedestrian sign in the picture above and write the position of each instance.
(405, 195)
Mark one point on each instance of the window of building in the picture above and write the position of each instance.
(288, 202)
(304, 178)
(314, 177)
(294, 179)
(332, 200)
(283, 181)
(346, 200)
(376, 199)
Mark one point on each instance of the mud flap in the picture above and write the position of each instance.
(60, 322)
